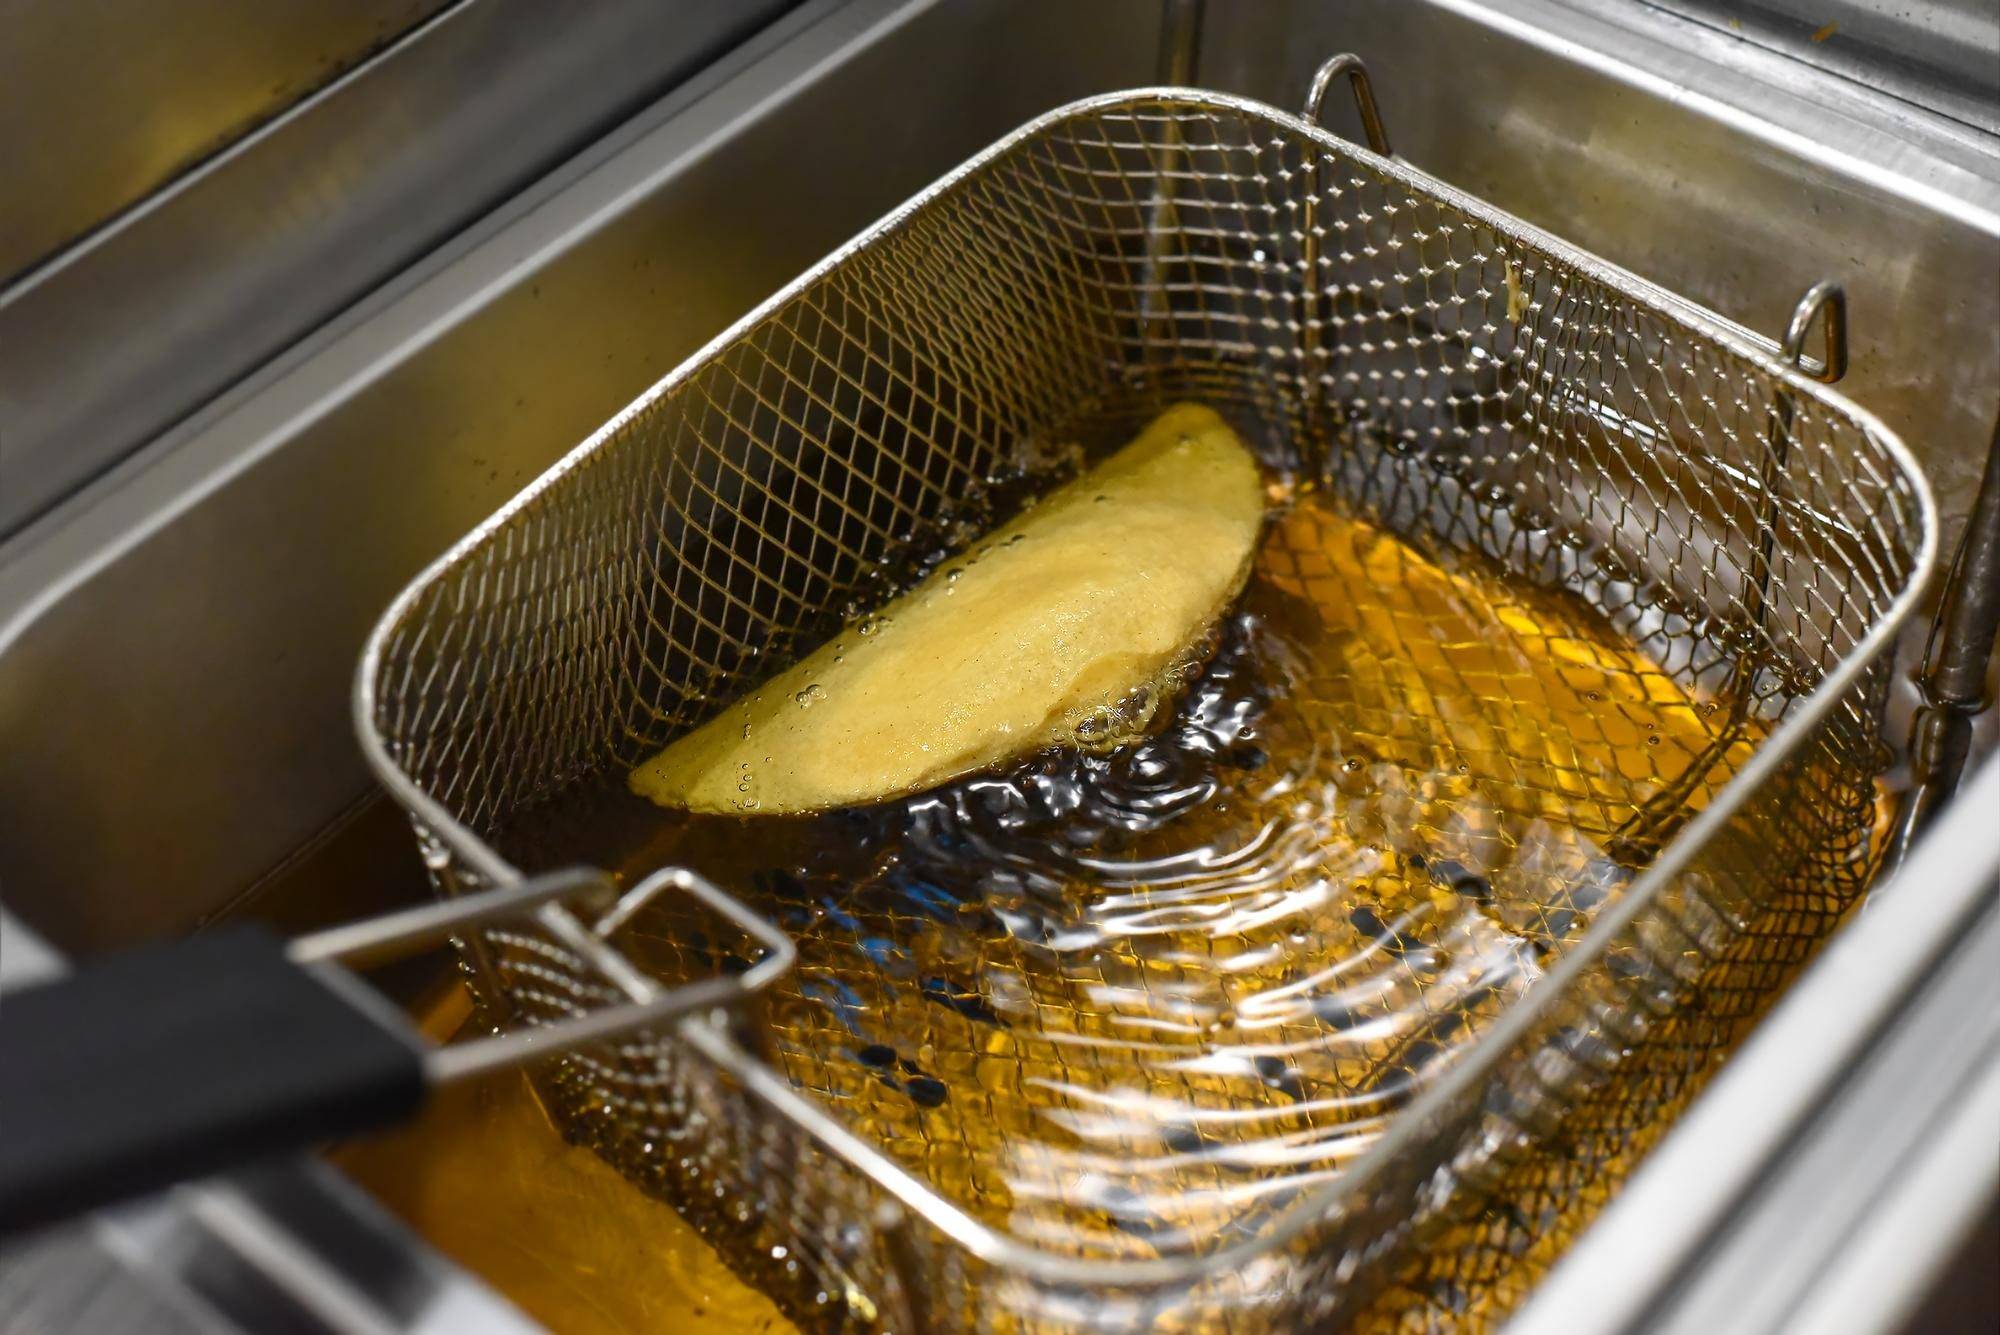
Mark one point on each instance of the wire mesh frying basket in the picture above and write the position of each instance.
(1469, 383)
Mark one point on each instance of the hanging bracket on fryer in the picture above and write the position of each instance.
(1828, 298)
(1364, 98)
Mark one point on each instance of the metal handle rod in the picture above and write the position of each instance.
(391, 936)
(1180, 44)
(1311, 335)
(1180, 41)
(1657, 820)
(648, 1005)
(1960, 648)
(1824, 296)
(182, 1059)
(528, 1043)
(1953, 676)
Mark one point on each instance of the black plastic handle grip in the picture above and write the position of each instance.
(171, 1062)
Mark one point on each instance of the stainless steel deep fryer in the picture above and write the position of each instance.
(1467, 380)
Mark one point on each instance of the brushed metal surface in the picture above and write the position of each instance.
(123, 334)
(103, 101)
(1729, 174)
(1939, 54)
(176, 649)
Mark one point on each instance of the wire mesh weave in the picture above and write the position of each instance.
(1466, 382)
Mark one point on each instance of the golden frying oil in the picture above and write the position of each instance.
(1130, 1004)
(488, 1181)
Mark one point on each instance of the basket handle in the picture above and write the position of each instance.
(173, 1061)
(1364, 98)
(647, 1006)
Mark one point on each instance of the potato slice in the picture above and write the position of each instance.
(1087, 599)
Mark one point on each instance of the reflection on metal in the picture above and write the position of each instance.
(148, 317)
(1942, 55)
(1180, 41)
(103, 102)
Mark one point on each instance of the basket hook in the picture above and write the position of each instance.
(1364, 98)
(1830, 297)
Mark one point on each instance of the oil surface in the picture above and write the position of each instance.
(1129, 1004)
(488, 1181)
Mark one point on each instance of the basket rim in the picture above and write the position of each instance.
(997, 1246)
